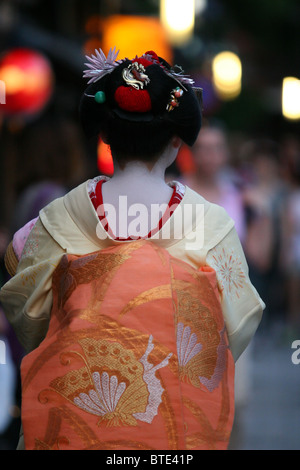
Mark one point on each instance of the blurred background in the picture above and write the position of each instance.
(245, 56)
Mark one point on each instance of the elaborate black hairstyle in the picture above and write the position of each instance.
(139, 96)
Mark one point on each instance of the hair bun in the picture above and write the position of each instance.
(141, 89)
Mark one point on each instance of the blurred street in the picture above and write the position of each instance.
(270, 420)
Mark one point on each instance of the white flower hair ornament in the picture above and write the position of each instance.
(100, 65)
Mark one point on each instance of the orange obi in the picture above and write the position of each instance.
(136, 357)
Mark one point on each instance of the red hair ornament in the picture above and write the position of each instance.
(133, 97)
(132, 100)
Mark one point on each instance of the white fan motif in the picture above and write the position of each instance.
(100, 65)
(187, 346)
(104, 398)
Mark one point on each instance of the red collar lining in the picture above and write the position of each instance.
(97, 200)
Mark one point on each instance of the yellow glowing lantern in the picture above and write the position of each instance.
(178, 19)
(227, 75)
(134, 35)
(291, 98)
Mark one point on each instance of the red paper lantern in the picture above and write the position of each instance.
(28, 82)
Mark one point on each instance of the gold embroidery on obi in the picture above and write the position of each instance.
(54, 441)
(156, 293)
(71, 274)
(208, 435)
(200, 333)
(113, 384)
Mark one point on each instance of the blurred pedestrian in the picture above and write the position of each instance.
(290, 222)
(214, 177)
(264, 199)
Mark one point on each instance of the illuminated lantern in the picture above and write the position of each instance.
(291, 98)
(105, 161)
(134, 35)
(227, 75)
(28, 80)
(185, 161)
(178, 18)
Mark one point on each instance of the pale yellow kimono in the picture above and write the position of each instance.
(70, 225)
